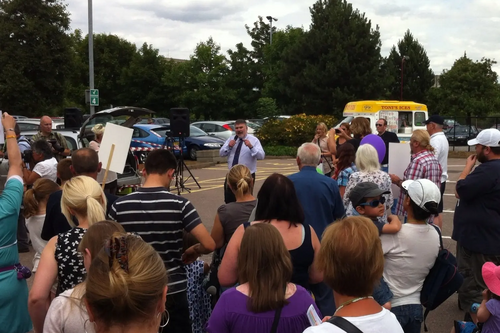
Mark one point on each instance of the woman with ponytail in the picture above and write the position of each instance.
(84, 199)
(35, 203)
(230, 216)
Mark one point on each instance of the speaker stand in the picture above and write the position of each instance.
(180, 181)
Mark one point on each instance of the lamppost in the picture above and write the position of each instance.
(271, 19)
(91, 55)
(402, 72)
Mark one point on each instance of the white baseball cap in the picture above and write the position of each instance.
(422, 191)
(489, 137)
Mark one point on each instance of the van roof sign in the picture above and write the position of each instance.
(376, 106)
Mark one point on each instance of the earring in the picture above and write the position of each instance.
(168, 318)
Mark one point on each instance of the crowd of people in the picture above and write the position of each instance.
(307, 253)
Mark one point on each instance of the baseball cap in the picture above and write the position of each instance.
(489, 137)
(365, 190)
(437, 119)
(422, 191)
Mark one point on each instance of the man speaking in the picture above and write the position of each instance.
(244, 149)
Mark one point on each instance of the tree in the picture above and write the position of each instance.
(266, 107)
(418, 77)
(469, 88)
(35, 55)
(337, 61)
(203, 81)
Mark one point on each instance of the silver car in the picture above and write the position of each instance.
(221, 129)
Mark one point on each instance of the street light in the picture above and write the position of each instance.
(402, 73)
(271, 19)
(91, 55)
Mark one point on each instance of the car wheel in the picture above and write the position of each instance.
(193, 151)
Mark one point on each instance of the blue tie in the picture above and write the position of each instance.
(237, 153)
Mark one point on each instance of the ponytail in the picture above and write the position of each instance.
(39, 194)
(95, 210)
(240, 180)
(83, 195)
(30, 204)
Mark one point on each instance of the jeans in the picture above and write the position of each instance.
(410, 316)
(323, 296)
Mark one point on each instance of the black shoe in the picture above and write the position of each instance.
(23, 249)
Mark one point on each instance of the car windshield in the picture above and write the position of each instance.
(161, 131)
(195, 131)
(461, 130)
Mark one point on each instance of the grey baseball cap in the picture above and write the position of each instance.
(365, 190)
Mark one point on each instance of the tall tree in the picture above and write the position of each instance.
(340, 59)
(410, 61)
(34, 55)
(469, 88)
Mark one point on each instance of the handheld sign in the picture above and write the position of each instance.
(2, 138)
(114, 147)
(399, 158)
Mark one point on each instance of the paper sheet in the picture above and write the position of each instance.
(399, 159)
(121, 137)
(313, 316)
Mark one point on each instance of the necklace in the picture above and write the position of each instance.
(354, 300)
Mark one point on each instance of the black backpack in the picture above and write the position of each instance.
(442, 281)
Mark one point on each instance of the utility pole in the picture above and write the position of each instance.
(271, 19)
(91, 55)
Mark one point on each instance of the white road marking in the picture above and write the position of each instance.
(451, 181)
(446, 237)
(448, 211)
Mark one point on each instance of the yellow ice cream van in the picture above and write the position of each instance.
(402, 117)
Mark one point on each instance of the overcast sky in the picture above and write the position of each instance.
(446, 28)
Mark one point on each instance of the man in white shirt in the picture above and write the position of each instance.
(247, 151)
(46, 164)
(441, 147)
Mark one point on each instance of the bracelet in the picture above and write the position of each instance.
(11, 137)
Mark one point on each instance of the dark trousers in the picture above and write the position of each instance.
(178, 308)
(228, 194)
(112, 187)
(22, 234)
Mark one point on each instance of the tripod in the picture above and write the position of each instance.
(180, 181)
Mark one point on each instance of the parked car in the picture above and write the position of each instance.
(221, 129)
(459, 135)
(252, 127)
(155, 121)
(17, 117)
(153, 136)
(33, 124)
(200, 140)
(449, 123)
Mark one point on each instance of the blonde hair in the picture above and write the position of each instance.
(98, 129)
(360, 127)
(423, 138)
(84, 196)
(323, 127)
(351, 256)
(264, 262)
(41, 190)
(240, 179)
(125, 289)
(367, 159)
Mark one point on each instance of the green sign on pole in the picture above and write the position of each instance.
(94, 97)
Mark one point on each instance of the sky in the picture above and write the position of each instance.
(445, 28)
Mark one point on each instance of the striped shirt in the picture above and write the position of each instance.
(423, 165)
(159, 217)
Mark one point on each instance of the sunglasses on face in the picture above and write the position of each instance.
(373, 203)
(379, 125)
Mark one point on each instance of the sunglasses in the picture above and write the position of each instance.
(373, 203)
(379, 125)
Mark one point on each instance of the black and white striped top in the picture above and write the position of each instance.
(159, 217)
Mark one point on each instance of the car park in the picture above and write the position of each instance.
(200, 140)
(460, 134)
(33, 124)
(221, 129)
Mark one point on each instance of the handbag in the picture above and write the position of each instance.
(326, 159)
(344, 324)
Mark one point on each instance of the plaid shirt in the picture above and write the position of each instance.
(423, 165)
(345, 174)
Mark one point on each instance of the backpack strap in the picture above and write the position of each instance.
(344, 324)
(246, 225)
(439, 233)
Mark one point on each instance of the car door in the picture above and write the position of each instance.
(209, 128)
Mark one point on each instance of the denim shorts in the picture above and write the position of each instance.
(410, 317)
(382, 294)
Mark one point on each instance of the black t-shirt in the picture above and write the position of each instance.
(476, 223)
(55, 221)
(388, 137)
(355, 143)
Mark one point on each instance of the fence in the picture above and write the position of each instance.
(459, 130)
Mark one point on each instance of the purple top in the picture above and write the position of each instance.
(492, 325)
(232, 315)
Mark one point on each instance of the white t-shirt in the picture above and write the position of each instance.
(382, 322)
(409, 256)
(441, 148)
(67, 314)
(35, 225)
(47, 169)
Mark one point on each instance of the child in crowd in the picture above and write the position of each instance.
(200, 305)
(368, 201)
(488, 312)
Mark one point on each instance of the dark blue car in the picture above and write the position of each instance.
(152, 136)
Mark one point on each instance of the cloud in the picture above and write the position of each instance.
(446, 28)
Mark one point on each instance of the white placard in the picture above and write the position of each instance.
(2, 137)
(121, 137)
(399, 159)
(313, 316)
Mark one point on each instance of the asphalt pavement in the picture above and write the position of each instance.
(210, 196)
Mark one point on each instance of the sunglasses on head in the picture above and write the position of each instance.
(373, 203)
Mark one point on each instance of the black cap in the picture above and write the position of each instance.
(365, 190)
(435, 118)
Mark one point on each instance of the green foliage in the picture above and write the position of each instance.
(266, 107)
(469, 88)
(293, 131)
(35, 55)
(280, 151)
(418, 77)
